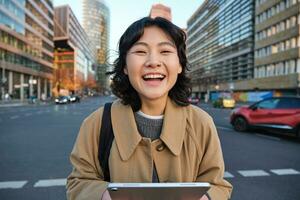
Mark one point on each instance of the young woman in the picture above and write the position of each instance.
(158, 136)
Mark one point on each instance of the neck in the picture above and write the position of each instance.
(154, 107)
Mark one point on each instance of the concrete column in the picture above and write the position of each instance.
(30, 86)
(50, 87)
(22, 87)
(45, 88)
(10, 82)
(39, 88)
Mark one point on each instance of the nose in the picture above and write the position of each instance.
(153, 61)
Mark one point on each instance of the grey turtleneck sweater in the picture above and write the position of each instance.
(150, 128)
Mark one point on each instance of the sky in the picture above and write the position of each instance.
(125, 12)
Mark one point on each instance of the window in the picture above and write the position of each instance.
(287, 44)
(282, 26)
(293, 42)
(293, 21)
(289, 103)
(274, 49)
(268, 104)
(273, 30)
(288, 23)
(298, 65)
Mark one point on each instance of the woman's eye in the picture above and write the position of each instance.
(166, 51)
(140, 52)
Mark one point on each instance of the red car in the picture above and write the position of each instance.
(277, 113)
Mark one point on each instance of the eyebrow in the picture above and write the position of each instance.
(159, 44)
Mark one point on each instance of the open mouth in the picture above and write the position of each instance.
(153, 77)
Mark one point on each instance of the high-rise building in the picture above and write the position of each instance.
(160, 10)
(277, 42)
(26, 48)
(96, 19)
(75, 57)
(220, 46)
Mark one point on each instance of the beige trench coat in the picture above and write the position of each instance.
(188, 151)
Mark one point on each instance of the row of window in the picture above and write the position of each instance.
(278, 47)
(26, 62)
(13, 9)
(210, 48)
(24, 47)
(211, 6)
(230, 16)
(39, 16)
(274, 10)
(276, 69)
(277, 28)
(12, 24)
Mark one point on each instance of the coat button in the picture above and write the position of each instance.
(160, 147)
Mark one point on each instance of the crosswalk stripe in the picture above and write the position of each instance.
(228, 175)
(50, 182)
(252, 173)
(285, 171)
(14, 117)
(12, 184)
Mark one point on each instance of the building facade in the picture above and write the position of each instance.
(26, 49)
(75, 57)
(96, 20)
(277, 42)
(220, 46)
(160, 10)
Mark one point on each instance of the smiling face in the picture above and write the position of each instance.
(152, 65)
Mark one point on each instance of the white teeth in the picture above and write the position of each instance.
(153, 76)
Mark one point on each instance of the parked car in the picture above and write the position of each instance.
(280, 114)
(62, 100)
(74, 98)
(224, 102)
(194, 100)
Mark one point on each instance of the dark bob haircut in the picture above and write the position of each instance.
(121, 86)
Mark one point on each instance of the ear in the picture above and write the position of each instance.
(125, 70)
(179, 69)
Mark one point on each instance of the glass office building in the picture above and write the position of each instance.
(220, 45)
(26, 48)
(96, 20)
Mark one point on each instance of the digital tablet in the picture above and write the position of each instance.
(162, 191)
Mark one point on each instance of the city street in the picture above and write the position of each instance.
(36, 140)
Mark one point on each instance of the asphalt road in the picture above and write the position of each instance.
(35, 143)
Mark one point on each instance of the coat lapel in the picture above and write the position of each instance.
(174, 127)
(125, 130)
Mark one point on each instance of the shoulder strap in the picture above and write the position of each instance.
(106, 139)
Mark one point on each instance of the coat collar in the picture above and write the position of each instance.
(127, 136)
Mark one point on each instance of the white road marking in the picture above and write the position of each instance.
(28, 114)
(252, 173)
(285, 171)
(268, 137)
(228, 175)
(12, 184)
(63, 181)
(224, 128)
(50, 182)
(14, 117)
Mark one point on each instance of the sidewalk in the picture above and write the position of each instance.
(16, 103)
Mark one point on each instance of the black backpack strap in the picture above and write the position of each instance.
(106, 139)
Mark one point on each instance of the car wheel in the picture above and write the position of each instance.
(298, 133)
(240, 124)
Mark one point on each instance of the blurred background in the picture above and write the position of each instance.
(244, 66)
